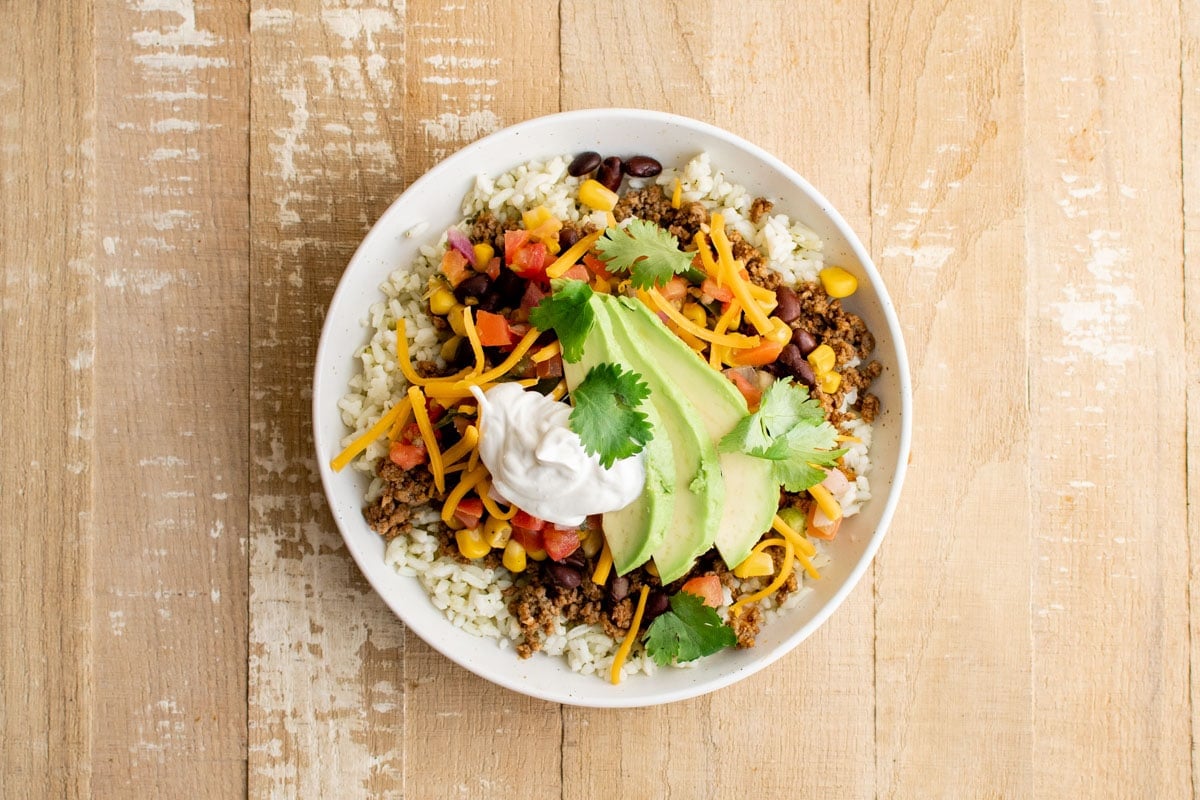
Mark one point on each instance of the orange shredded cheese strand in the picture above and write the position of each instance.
(725, 252)
(801, 544)
(473, 461)
(462, 447)
(573, 254)
(402, 356)
(808, 566)
(362, 442)
(627, 642)
(473, 338)
(546, 353)
(516, 355)
(706, 258)
(784, 571)
(559, 391)
(730, 339)
(826, 501)
(401, 420)
(493, 508)
(718, 355)
(466, 484)
(842, 437)
(603, 566)
(612, 221)
(677, 195)
(431, 445)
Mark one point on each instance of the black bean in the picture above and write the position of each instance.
(510, 286)
(563, 575)
(788, 307)
(805, 341)
(567, 237)
(473, 287)
(576, 559)
(490, 301)
(642, 167)
(583, 164)
(656, 604)
(618, 588)
(797, 365)
(610, 173)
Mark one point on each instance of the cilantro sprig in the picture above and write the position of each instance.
(791, 431)
(605, 416)
(690, 630)
(568, 313)
(648, 253)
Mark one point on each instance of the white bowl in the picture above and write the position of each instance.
(435, 199)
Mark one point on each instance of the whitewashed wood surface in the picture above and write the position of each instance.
(182, 183)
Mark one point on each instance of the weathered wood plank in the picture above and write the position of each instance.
(1108, 465)
(47, 325)
(171, 399)
(952, 583)
(1190, 74)
(783, 62)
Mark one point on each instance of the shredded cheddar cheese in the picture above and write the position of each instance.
(546, 353)
(627, 642)
(573, 254)
(784, 571)
(468, 482)
(603, 566)
(362, 442)
(401, 420)
(801, 544)
(559, 391)
(730, 270)
(431, 445)
(464, 446)
(826, 501)
(710, 266)
(730, 339)
(473, 338)
(516, 355)
(493, 508)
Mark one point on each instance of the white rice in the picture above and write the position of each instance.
(471, 596)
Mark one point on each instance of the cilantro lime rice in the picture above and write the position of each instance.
(559, 284)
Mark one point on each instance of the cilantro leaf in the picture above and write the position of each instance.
(648, 253)
(568, 313)
(605, 416)
(690, 630)
(790, 430)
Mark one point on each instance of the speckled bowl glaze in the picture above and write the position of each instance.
(435, 199)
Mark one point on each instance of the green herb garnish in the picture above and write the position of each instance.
(568, 313)
(648, 253)
(790, 430)
(605, 415)
(690, 630)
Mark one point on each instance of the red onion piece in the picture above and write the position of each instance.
(459, 241)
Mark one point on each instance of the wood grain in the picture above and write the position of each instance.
(1190, 128)
(47, 323)
(953, 653)
(1106, 338)
(169, 619)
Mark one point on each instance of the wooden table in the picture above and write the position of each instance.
(183, 182)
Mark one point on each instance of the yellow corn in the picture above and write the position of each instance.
(591, 542)
(601, 286)
(822, 359)
(838, 283)
(826, 502)
(441, 301)
(514, 556)
(450, 347)
(695, 312)
(455, 317)
(596, 195)
(484, 253)
(829, 382)
(780, 332)
(535, 217)
(496, 532)
(471, 543)
(537, 555)
(756, 565)
(652, 568)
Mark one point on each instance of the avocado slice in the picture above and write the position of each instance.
(637, 530)
(751, 491)
(700, 491)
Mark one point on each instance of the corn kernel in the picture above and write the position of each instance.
(471, 543)
(756, 565)
(822, 359)
(652, 568)
(601, 286)
(781, 332)
(455, 318)
(450, 347)
(535, 217)
(484, 253)
(441, 301)
(497, 532)
(829, 382)
(838, 283)
(592, 544)
(695, 313)
(537, 555)
(596, 195)
(514, 556)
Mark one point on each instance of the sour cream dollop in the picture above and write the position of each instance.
(538, 463)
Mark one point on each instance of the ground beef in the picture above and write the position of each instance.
(760, 208)
(746, 624)
(755, 263)
(653, 205)
(489, 229)
(403, 491)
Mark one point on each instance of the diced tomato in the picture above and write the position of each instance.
(530, 261)
(514, 241)
(749, 391)
(469, 512)
(435, 410)
(708, 588)
(493, 268)
(407, 455)
(530, 540)
(596, 266)
(675, 289)
(493, 329)
(560, 543)
(765, 353)
(722, 293)
(550, 368)
(528, 521)
(578, 273)
(826, 530)
(533, 295)
(455, 267)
